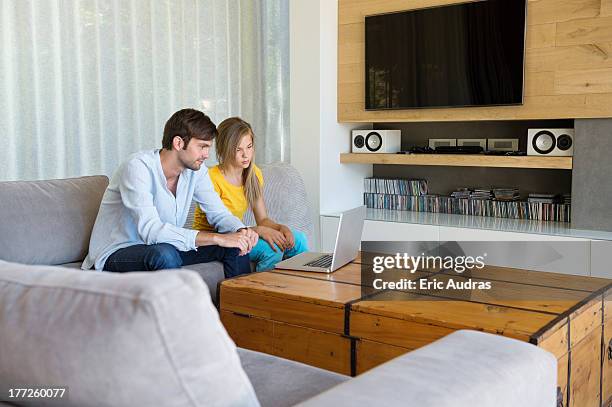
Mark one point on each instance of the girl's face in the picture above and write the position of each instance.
(244, 151)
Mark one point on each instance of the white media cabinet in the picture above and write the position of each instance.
(588, 255)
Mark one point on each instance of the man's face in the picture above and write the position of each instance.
(195, 153)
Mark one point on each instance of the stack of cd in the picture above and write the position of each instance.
(566, 199)
(462, 193)
(542, 198)
(472, 193)
(506, 194)
(482, 194)
(412, 187)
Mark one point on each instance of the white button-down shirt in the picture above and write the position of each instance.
(138, 208)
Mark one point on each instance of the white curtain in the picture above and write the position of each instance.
(84, 83)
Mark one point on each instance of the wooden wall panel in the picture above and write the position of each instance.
(584, 31)
(568, 63)
(540, 83)
(585, 81)
(574, 57)
(599, 104)
(554, 11)
(606, 8)
(541, 36)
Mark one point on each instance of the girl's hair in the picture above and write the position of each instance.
(231, 132)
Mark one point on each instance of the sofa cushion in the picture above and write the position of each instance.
(463, 369)
(48, 222)
(211, 273)
(75, 266)
(280, 382)
(286, 199)
(133, 339)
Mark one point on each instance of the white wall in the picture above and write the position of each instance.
(305, 97)
(341, 185)
(317, 139)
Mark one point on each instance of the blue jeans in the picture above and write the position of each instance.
(265, 258)
(165, 256)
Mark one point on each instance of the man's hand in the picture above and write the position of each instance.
(239, 240)
(251, 235)
(273, 237)
(288, 235)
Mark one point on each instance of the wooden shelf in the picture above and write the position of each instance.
(460, 160)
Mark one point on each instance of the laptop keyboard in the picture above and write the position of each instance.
(324, 261)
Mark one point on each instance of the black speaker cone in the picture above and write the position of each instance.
(359, 141)
(564, 142)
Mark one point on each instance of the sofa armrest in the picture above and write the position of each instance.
(465, 368)
(117, 339)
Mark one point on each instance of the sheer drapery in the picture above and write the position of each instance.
(85, 83)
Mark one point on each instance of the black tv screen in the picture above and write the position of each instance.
(468, 54)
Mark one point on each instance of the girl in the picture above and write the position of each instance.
(239, 183)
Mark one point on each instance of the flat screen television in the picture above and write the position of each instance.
(469, 54)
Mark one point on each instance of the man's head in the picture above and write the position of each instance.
(190, 133)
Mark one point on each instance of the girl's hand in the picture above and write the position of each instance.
(272, 237)
(288, 235)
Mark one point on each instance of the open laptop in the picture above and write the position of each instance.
(345, 250)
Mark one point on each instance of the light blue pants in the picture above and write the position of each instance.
(265, 258)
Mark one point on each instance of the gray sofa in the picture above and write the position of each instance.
(50, 222)
(155, 338)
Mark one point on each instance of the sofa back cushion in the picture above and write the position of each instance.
(134, 339)
(48, 222)
(285, 198)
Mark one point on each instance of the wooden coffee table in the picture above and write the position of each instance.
(333, 322)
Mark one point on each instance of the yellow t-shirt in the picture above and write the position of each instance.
(232, 196)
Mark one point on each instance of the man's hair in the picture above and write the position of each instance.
(188, 124)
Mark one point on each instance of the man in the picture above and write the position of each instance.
(139, 224)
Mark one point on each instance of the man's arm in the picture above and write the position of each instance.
(136, 186)
(244, 239)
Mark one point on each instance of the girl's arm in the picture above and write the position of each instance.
(261, 215)
(279, 234)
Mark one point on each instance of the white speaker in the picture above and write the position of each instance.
(376, 141)
(552, 142)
